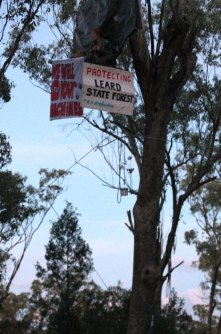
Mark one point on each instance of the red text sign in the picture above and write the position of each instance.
(66, 88)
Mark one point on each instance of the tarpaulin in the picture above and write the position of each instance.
(117, 20)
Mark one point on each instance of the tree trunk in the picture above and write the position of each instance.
(146, 270)
(212, 297)
(160, 81)
(218, 331)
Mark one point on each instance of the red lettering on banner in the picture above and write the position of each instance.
(78, 110)
(56, 71)
(67, 71)
(67, 89)
(55, 90)
(63, 71)
(109, 75)
(65, 109)
(62, 90)
(97, 72)
(88, 70)
(94, 71)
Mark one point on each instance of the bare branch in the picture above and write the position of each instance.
(131, 224)
(160, 30)
(171, 270)
(173, 180)
(150, 22)
(141, 60)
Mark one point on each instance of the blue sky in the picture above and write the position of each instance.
(40, 143)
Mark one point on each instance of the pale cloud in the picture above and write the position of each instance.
(191, 297)
(194, 295)
(111, 247)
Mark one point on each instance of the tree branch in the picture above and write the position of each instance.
(160, 31)
(28, 19)
(131, 224)
(150, 22)
(171, 270)
(141, 60)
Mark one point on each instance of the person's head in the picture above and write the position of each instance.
(96, 34)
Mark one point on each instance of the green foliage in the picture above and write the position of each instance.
(66, 253)
(5, 151)
(104, 311)
(20, 202)
(62, 298)
(13, 314)
(18, 21)
(68, 263)
(23, 209)
(205, 206)
(190, 236)
(201, 312)
(67, 9)
(14, 211)
(5, 89)
(39, 70)
(13, 195)
(209, 196)
(174, 319)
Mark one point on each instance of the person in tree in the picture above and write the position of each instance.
(100, 50)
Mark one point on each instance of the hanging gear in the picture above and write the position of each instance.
(117, 20)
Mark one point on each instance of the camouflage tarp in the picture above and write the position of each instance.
(117, 19)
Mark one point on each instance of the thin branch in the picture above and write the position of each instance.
(173, 180)
(160, 30)
(176, 217)
(116, 136)
(107, 184)
(131, 224)
(171, 270)
(150, 22)
(6, 21)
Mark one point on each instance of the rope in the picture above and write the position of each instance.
(119, 170)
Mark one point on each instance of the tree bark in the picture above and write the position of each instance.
(218, 331)
(146, 269)
(212, 297)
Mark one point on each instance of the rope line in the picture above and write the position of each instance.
(68, 169)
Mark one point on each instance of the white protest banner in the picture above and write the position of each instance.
(66, 88)
(108, 89)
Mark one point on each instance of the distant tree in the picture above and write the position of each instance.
(37, 309)
(13, 314)
(206, 208)
(174, 318)
(68, 263)
(104, 311)
(23, 209)
(94, 310)
(201, 313)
